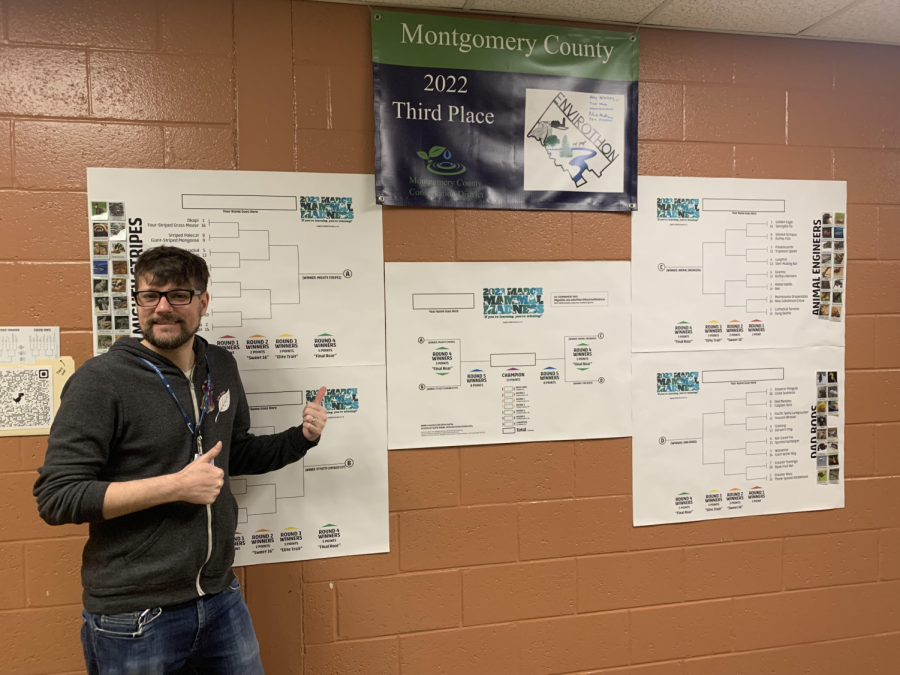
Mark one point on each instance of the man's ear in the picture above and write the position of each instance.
(204, 302)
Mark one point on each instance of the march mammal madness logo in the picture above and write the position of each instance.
(508, 301)
(677, 208)
(574, 141)
(326, 209)
(672, 383)
(336, 399)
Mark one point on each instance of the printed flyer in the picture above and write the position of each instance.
(297, 297)
(500, 115)
(507, 352)
(731, 263)
(725, 434)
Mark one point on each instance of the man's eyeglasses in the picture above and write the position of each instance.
(175, 297)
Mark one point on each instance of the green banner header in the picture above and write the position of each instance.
(426, 40)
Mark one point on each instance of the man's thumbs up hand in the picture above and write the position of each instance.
(315, 416)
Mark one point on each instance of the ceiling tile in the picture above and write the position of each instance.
(629, 11)
(433, 4)
(755, 16)
(870, 21)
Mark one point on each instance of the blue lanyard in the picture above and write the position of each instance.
(195, 433)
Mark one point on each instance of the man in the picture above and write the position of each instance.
(142, 447)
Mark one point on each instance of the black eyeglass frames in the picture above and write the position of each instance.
(175, 297)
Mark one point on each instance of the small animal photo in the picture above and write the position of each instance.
(101, 303)
(117, 210)
(104, 322)
(120, 267)
(839, 218)
(119, 286)
(104, 341)
(101, 286)
(832, 377)
(101, 248)
(99, 211)
(101, 230)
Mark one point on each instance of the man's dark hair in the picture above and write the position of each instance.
(171, 265)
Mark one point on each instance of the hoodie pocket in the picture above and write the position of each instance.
(150, 541)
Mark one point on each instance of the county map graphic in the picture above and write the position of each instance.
(573, 132)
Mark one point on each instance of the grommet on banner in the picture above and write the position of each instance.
(378, 17)
(632, 206)
(633, 38)
(380, 198)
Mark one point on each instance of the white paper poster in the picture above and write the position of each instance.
(297, 288)
(507, 352)
(26, 398)
(27, 344)
(737, 433)
(726, 263)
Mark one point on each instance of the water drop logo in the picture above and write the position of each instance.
(444, 167)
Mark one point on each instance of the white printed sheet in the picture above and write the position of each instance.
(27, 344)
(726, 263)
(297, 296)
(26, 398)
(474, 359)
(737, 433)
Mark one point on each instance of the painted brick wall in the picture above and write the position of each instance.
(505, 560)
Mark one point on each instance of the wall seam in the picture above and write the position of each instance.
(12, 153)
(235, 127)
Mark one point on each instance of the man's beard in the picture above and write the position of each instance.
(168, 342)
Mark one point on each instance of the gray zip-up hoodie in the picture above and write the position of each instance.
(118, 422)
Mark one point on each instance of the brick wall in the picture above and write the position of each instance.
(516, 559)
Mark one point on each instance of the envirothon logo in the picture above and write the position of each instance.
(571, 139)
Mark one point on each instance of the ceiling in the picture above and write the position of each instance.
(876, 21)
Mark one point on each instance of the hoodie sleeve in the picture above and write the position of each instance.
(69, 489)
(251, 455)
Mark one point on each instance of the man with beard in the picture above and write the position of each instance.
(142, 447)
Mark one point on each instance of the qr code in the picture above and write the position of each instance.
(26, 398)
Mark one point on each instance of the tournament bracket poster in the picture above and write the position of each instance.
(497, 115)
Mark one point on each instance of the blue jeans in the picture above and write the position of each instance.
(212, 636)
